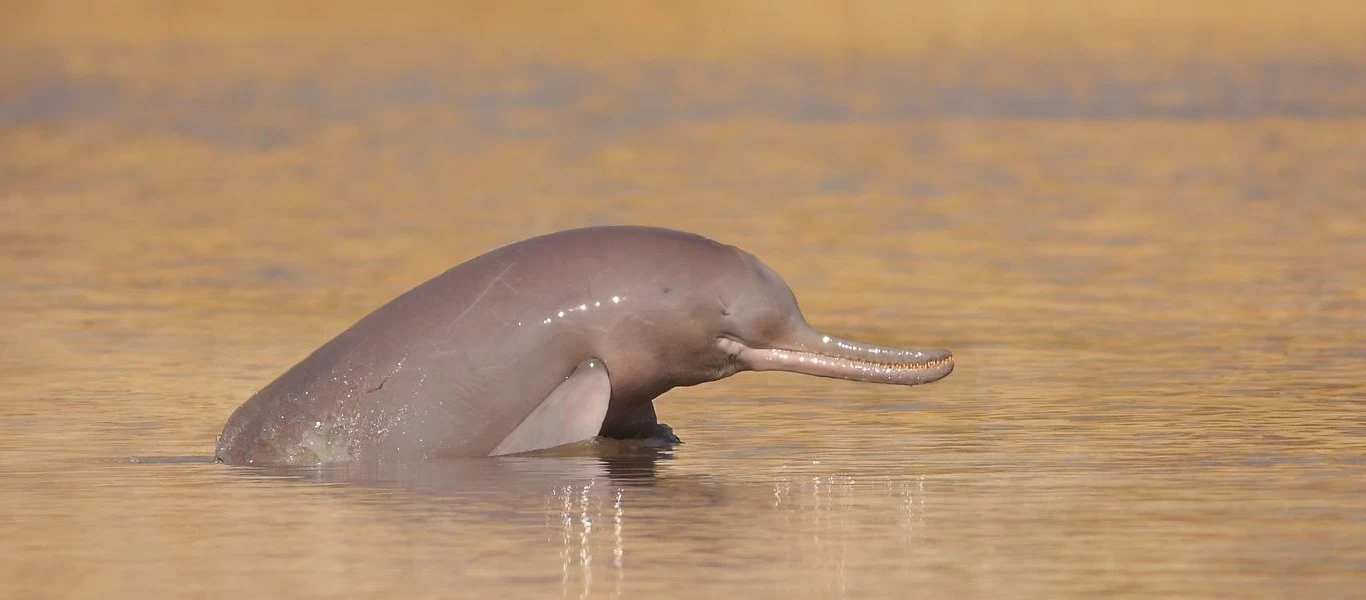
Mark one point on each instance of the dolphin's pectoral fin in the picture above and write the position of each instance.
(573, 412)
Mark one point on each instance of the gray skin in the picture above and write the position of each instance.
(453, 366)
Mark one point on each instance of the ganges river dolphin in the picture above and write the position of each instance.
(548, 341)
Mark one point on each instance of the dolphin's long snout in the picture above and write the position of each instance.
(813, 353)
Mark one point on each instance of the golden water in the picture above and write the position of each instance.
(1141, 228)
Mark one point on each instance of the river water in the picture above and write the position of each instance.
(1140, 228)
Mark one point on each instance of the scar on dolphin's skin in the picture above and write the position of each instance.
(548, 341)
(380, 386)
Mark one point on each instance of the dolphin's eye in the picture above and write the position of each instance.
(727, 306)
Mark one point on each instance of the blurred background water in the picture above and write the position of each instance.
(1140, 226)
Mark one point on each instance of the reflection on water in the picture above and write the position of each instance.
(595, 525)
(620, 462)
(1140, 228)
(578, 509)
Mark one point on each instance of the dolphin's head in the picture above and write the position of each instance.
(759, 327)
(693, 310)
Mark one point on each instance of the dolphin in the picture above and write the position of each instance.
(549, 341)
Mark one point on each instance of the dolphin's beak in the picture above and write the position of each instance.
(808, 351)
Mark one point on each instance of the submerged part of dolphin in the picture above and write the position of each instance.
(548, 341)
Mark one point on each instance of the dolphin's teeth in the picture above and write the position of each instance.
(930, 364)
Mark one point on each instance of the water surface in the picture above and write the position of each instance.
(1142, 233)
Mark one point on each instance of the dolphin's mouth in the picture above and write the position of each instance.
(825, 356)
